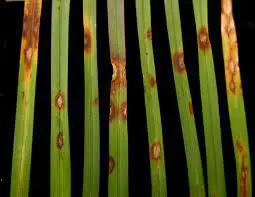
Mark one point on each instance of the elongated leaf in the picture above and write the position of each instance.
(210, 107)
(60, 172)
(92, 132)
(235, 100)
(118, 136)
(25, 102)
(156, 147)
(195, 170)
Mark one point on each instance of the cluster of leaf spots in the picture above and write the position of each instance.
(30, 34)
(244, 169)
(229, 34)
(203, 39)
(59, 102)
(87, 35)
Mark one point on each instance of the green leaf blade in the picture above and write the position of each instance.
(60, 174)
(195, 170)
(23, 136)
(154, 127)
(92, 129)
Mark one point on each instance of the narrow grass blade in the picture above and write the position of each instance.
(118, 136)
(195, 170)
(92, 131)
(60, 172)
(210, 107)
(235, 100)
(156, 146)
(25, 102)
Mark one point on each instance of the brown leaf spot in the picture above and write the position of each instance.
(60, 140)
(178, 60)
(59, 101)
(96, 101)
(191, 109)
(152, 81)
(87, 35)
(232, 86)
(119, 74)
(111, 164)
(113, 111)
(149, 34)
(123, 110)
(155, 151)
(203, 39)
(87, 41)
(239, 146)
(244, 177)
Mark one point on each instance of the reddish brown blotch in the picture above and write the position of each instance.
(111, 164)
(203, 39)
(113, 112)
(152, 81)
(60, 140)
(149, 34)
(232, 86)
(119, 74)
(191, 109)
(118, 111)
(178, 60)
(87, 35)
(123, 110)
(239, 146)
(96, 101)
(243, 178)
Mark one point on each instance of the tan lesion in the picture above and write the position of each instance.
(155, 151)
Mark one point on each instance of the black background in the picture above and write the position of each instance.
(11, 15)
